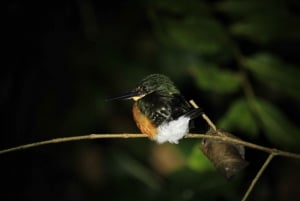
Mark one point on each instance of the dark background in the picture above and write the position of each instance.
(239, 60)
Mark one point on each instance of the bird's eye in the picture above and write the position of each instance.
(143, 89)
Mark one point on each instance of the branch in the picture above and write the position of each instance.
(130, 135)
(204, 116)
(247, 144)
(259, 173)
(272, 151)
(69, 139)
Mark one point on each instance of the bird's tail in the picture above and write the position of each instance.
(194, 113)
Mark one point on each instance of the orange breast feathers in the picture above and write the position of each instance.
(143, 123)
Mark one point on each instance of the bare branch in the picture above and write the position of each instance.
(204, 116)
(69, 139)
(131, 135)
(257, 176)
(272, 152)
(247, 144)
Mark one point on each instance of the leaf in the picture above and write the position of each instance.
(228, 158)
(254, 19)
(211, 78)
(263, 29)
(197, 161)
(263, 22)
(255, 29)
(275, 73)
(242, 8)
(200, 34)
(240, 117)
(278, 129)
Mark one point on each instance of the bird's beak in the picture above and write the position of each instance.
(128, 95)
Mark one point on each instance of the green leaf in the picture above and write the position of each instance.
(265, 22)
(210, 77)
(240, 117)
(255, 20)
(263, 29)
(197, 161)
(277, 127)
(200, 34)
(255, 29)
(249, 8)
(275, 73)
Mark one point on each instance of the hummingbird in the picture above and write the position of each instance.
(159, 109)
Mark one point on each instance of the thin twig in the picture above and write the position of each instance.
(210, 123)
(204, 116)
(69, 139)
(131, 135)
(246, 144)
(257, 176)
(272, 152)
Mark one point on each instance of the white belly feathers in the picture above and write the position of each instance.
(173, 131)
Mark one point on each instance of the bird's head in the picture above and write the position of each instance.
(152, 83)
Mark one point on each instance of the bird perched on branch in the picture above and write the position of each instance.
(159, 109)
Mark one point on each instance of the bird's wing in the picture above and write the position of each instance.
(181, 107)
(161, 108)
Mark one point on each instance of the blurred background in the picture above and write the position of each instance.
(239, 60)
